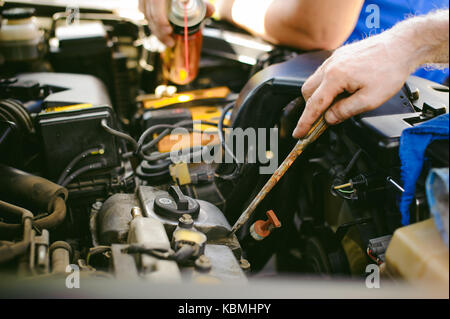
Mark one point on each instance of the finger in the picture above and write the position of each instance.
(145, 10)
(163, 36)
(314, 80)
(209, 10)
(150, 5)
(142, 6)
(317, 105)
(357, 103)
(160, 26)
(312, 84)
(159, 13)
(167, 40)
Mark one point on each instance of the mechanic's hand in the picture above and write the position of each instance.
(155, 12)
(370, 71)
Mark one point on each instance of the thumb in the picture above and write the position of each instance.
(209, 9)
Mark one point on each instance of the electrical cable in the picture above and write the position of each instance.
(155, 128)
(220, 126)
(342, 186)
(221, 133)
(141, 148)
(83, 170)
(90, 152)
(118, 134)
(346, 192)
(342, 192)
(95, 251)
(192, 151)
(372, 257)
(352, 162)
(181, 255)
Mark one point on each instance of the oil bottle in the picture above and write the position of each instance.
(181, 62)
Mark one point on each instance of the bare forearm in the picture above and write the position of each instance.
(305, 24)
(425, 39)
(373, 70)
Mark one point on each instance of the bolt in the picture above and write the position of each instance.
(186, 221)
(136, 212)
(245, 265)
(203, 264)
(97, 206)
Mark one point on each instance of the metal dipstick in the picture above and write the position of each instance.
(316, 131)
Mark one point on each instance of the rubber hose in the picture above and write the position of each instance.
(9, 252)
(29, 191)
(57, 216)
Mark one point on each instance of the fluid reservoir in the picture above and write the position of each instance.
(20, 37)
(150, 233)
(181, 62)
(418, 254)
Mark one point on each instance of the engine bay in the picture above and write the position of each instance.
(92, 177)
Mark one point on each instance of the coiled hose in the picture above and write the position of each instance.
(30, 191)
(10, 251)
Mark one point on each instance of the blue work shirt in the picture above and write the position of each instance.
(380, 15)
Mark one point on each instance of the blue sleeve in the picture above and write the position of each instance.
(380, 15)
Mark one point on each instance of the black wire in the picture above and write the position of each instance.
(345, 173)
(76, 160)
(192, 151)
(144, 147)
(118, 134)
(221, 133)
(141, 148)
(83, 170)
(220, 126)
(181, 255)
(154, 129)
(151, 144)
(352, 162)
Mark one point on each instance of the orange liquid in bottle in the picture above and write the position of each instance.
(174, 59)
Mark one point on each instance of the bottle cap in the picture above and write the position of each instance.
(196, 12)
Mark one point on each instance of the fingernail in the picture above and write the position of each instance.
(296, 133)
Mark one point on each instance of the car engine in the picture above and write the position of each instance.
(88, 180)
